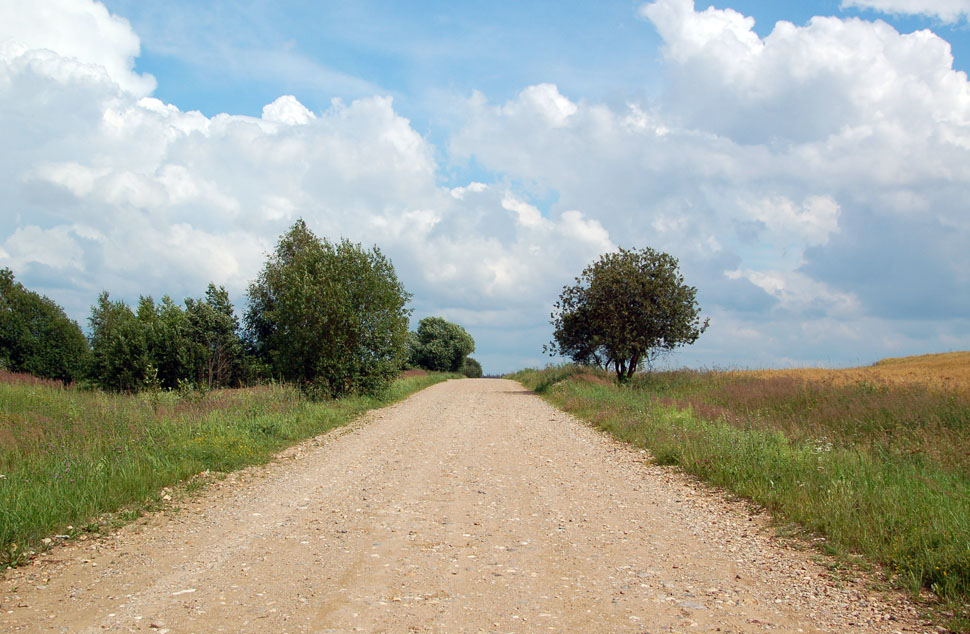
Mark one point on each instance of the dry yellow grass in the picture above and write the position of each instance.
(950, 370)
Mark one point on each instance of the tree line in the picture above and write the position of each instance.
(331, 317)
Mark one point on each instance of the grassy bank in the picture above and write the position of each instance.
(68, 456)
(878, 468)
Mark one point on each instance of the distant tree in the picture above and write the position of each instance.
(331, 317)
(173, 356)
(214, 329)
(440, 345)
(119, 345)
(471, 368)
(36, 335)
(626, 309)
(165, 345)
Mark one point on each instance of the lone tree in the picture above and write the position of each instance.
(330, 317)
(625, 310)
(439, 345)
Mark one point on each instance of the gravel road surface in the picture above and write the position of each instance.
(473, 506)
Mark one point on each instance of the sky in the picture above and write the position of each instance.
(807, 163)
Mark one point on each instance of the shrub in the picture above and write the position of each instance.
(439, 345)
(471, 368)
(163, 345)
(330, 317)
(119, 345)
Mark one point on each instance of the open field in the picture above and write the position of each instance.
(948, 371)
(69, 456)
(872, 462)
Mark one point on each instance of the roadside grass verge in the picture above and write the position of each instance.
(69, 456)
(877, 469)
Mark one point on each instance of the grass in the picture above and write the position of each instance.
(877, 466)
(69, 456)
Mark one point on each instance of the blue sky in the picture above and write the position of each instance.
(811, 176)
(423, 52)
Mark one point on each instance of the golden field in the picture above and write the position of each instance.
(948, 370)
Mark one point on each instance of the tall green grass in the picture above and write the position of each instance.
(878, 470)
(68, 456)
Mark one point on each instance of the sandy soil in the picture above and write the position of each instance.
(471, 507)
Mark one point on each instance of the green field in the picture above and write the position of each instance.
(69, 456)
(878, 468)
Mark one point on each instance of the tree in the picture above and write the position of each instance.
(624, 311)
(330, 317)
(119, 344)
(471, 368)
(214, 329)
(36, 335)
(166, 345)
(170, 351)
(439, 345)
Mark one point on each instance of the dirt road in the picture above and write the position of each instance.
(471, 507)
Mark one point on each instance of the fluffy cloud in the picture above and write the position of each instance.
(811, 177)
(70, 39)
(108, 187)
(946, 10)
(812, 183)
(832, 79)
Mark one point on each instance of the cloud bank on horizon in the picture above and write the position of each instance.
(812, 182)
(945, 10)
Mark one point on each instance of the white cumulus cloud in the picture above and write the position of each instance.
(287, 109)
(108, 188)
(788, 172)
(832, 78)
(812, 183)
(71, 39)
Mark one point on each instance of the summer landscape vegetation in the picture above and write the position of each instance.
(92, 428)
(869, 464)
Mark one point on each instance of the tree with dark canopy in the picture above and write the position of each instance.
(36, 335)
(625, 310)
(330, 317)
(214, 329)
(439, 345)
(471, 368)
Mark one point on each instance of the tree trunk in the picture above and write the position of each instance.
(620, 369)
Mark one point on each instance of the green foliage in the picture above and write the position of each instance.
(119, 346)
(440, 346)
(330, 317)
(36, 336)
(170, 352)
(471, 368)
(214, 329)
(541, 381)
(624, 310)
(165, 346)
